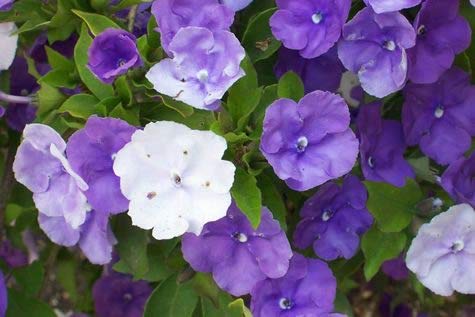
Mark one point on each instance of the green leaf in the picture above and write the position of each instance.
(238, 305)
(59, 78)
(258, 39)
(272, 199)
(290, 86)
(171, 299)
(128, 3)
(393, 207)
(423, 169)
(131, 115)
(223, 308)
(99, 89)
(124, 91)
(80, 106)
(30, 278)
(63, 22)
(180, 107)
(378, 247)
(97, 23)
(247, 196)
(20, 305)
(50, 98)
(58, 61)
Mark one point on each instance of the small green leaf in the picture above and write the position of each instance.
(58, 61)
(272, 199)
(97, 23)
(30, 278)
(20, 305)
(131, 115)
(50, 98)
(247, 196)
(80, 106)
(180, 107)
(59, 78)
(291, 86)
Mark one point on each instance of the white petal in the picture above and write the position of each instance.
(8, 43)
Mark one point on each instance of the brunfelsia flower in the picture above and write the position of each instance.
(174, 178)
(381, 6)
(204, 66)
(333, 219)
(6, 5)
(443, 252)
(3, 295)
(12, 256)
(310, 26)
(374, 47)
(308, 289)
(442, 33)
(459, 180)
(9, 44)
(173, 15)
(440, 116)
(238, 255)
(396, 268)
(382, 147)
(236, 5)
(119, 295)
(91, 152)
(320, 73)
(113, 53)
(310, 142)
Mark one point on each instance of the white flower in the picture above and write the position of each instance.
(8, 43)
(174, 178)
(443, 253)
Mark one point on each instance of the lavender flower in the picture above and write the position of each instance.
(119, 295)
(91, 152)
(173, 15)
(321, 73)
(382, 147)
(442, 33)
(310, 142)
(381, 6)
(236, 5)
(204, 66)
(374, 47)
(238, 255)
(310, 26)
(396, 268)
(442, 253)
(440, 116)
(333, 219)
(308, 289)
(113, 53)
(459, 180)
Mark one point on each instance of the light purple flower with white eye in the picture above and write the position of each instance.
(113, 53)
(442, 33)
(381, 6)
(459, 180)
(204, 66)
(310, 26)
(442, 255)
(333, 219)
(309, 142)
(41, 166)
(374, 47)
(91, 152)
(173, 15)
(238, 255)
(236, 5)
(440, 116)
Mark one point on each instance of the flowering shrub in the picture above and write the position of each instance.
(237, 158)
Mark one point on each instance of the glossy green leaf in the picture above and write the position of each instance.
(97, 23)
(247, 196)
(290, 86)
(80, 106)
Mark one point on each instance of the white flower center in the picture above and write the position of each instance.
(285, 303)
(421, 30)
(202, 75)
(127, 296)
(302, 144)
(389, 45)
(113, 156)
(437, 203)
(241, 237)
(371, 161)
(439, 112)
(317, 18)
(457, 246)
(327, 214)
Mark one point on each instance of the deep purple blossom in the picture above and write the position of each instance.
(440, 116)
(238, 255)
(382, 147)
(442, 33)
(310, 26)
(119, 295)
(396, 268)
(91, 152)
(173, 15)
(333, 219)
(320, 73)
(204, 66)
(113, 53)
(310, 142)
(236, 5)
(459, 180)
(374, 47)
(12, 256)
(6, 5)
(387, 309)
(308, 289)
(3, 295)
(381, 6)
(38, 50)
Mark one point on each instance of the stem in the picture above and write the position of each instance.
(132, 14)
(14, 99)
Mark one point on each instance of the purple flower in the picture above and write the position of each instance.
(119, 295)
(321, 73)
(459, 180)
(396, 268)
(173, 15)
(440, 116)
(374, 47)
(238, 255)
(382, 147)
(381, 6)
(204, 66)
(113, 53)
(333, 219)
(308, 289)
(442, 33)
(310, 142)
(310, 26)
(12, 256)
(236, 5)
(91, 152)
(3, 295)
(6, 5)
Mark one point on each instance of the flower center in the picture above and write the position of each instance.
(457, 246)
(439, 112)
(121, 62)
(421, 30)
(285, 303)
(202, 75)
(327, 214)
(176, 180)
(302, 143)
(127, 296)
(317, 18)
(371, 161)
(389, 45)
(113, 156)
(239, 236)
